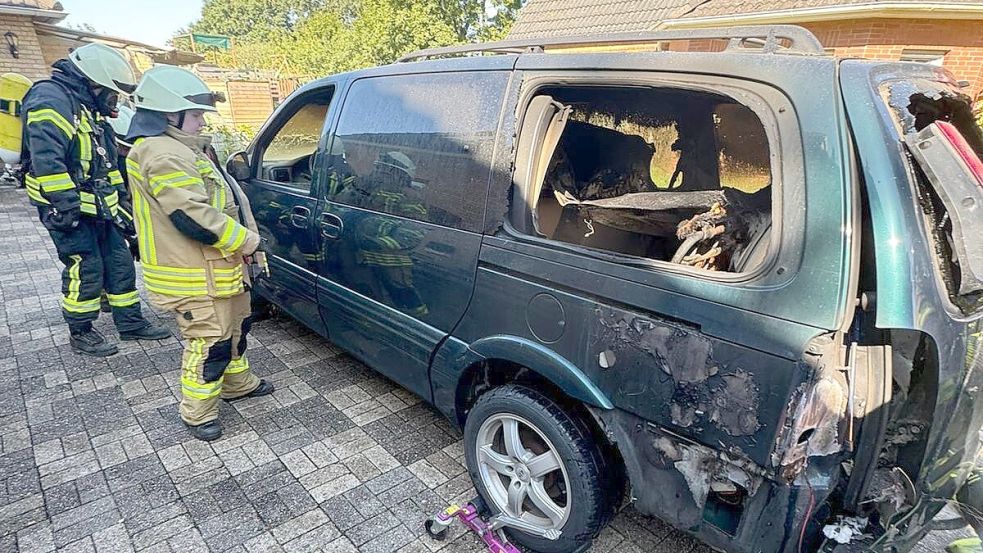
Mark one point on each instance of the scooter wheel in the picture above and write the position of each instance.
(439, 535)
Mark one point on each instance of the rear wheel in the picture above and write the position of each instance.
(530, 459)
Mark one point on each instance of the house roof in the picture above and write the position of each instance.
(36, 4)
(546, 18)
(550, 18)
(39, 10)
(170, 56)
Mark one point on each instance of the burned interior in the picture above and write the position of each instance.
(665, 174)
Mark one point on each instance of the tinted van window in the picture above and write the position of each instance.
(425, 141)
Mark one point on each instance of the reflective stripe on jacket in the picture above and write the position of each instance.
(188, 225)
(72, 159)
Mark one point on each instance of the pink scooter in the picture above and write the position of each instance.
(490, 532)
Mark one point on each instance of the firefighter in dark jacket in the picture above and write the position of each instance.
(72, 178)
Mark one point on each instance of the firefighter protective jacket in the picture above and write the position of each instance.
(70, 155)
(191, 237)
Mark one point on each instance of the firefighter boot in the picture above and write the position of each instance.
(148, 332)
(207, 431)
(90, 342)
(264, 388)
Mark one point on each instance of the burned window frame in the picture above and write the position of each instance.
(899, 98)
(758, 97)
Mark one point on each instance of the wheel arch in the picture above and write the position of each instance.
(511, 358)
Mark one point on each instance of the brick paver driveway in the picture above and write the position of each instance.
(93, 456)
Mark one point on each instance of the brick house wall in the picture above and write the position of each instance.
(31, 62)
(887, 39)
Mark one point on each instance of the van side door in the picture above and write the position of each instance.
(407, 175)
(283, 195)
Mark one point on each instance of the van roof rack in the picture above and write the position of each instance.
(766, 38)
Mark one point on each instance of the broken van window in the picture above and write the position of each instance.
(672, 175)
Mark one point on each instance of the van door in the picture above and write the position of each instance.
(407, 175)
(283, 196)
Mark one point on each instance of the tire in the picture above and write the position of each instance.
(581, 501)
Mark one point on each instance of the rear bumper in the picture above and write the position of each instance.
(675, 480)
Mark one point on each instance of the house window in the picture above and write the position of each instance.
(669, 175)
(931, 57)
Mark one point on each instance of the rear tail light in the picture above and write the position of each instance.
(963, 149)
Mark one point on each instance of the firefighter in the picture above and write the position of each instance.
(72, 178)
(385, 244)
(195, 239)
(120, 126)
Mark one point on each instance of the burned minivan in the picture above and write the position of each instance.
(722, 276)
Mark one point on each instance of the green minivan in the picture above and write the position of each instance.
(718, 275)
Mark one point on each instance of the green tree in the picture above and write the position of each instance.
(252, 18)
(497, 27)
(387, 29)
(319, 37)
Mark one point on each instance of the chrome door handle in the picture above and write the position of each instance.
(299, 216)
(331, 226)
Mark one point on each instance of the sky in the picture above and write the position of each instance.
(147, 21)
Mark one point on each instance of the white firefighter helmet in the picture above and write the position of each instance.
(104, 66)
(170, 89)
(399, 161)
(121, 123)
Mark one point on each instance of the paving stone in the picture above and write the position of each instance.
(342, 513)
(189, 541)
(337, 486)
(389, 541)
(61, 498)
(298, 463)
(48, 452)
(36, 539)
(340, 545)
(299, 526)
(161, 532)
(312, 541)
(427, 473)
(83, 545)
(174, 457)
(114, 539)
(233, 528)
(111, 455)
(319, 454)
(263, 543)
(91, 487)
(152, 517)
(372, 527)
(236, 461)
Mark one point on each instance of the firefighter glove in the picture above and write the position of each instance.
(63, 221)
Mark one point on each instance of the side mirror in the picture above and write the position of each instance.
(238, 166)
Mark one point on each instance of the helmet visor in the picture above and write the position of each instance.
(206, 98)
(124, 87)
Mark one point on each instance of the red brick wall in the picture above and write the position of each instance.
(31, 62)
(886, 38)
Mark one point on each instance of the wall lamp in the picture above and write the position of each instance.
(11, 39)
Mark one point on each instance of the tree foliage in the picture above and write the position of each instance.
(319, 37)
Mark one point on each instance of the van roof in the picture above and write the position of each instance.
(777, 39)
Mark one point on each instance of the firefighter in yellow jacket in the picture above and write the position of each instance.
(195, 242)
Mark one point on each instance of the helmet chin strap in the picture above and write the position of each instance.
(180, 121)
